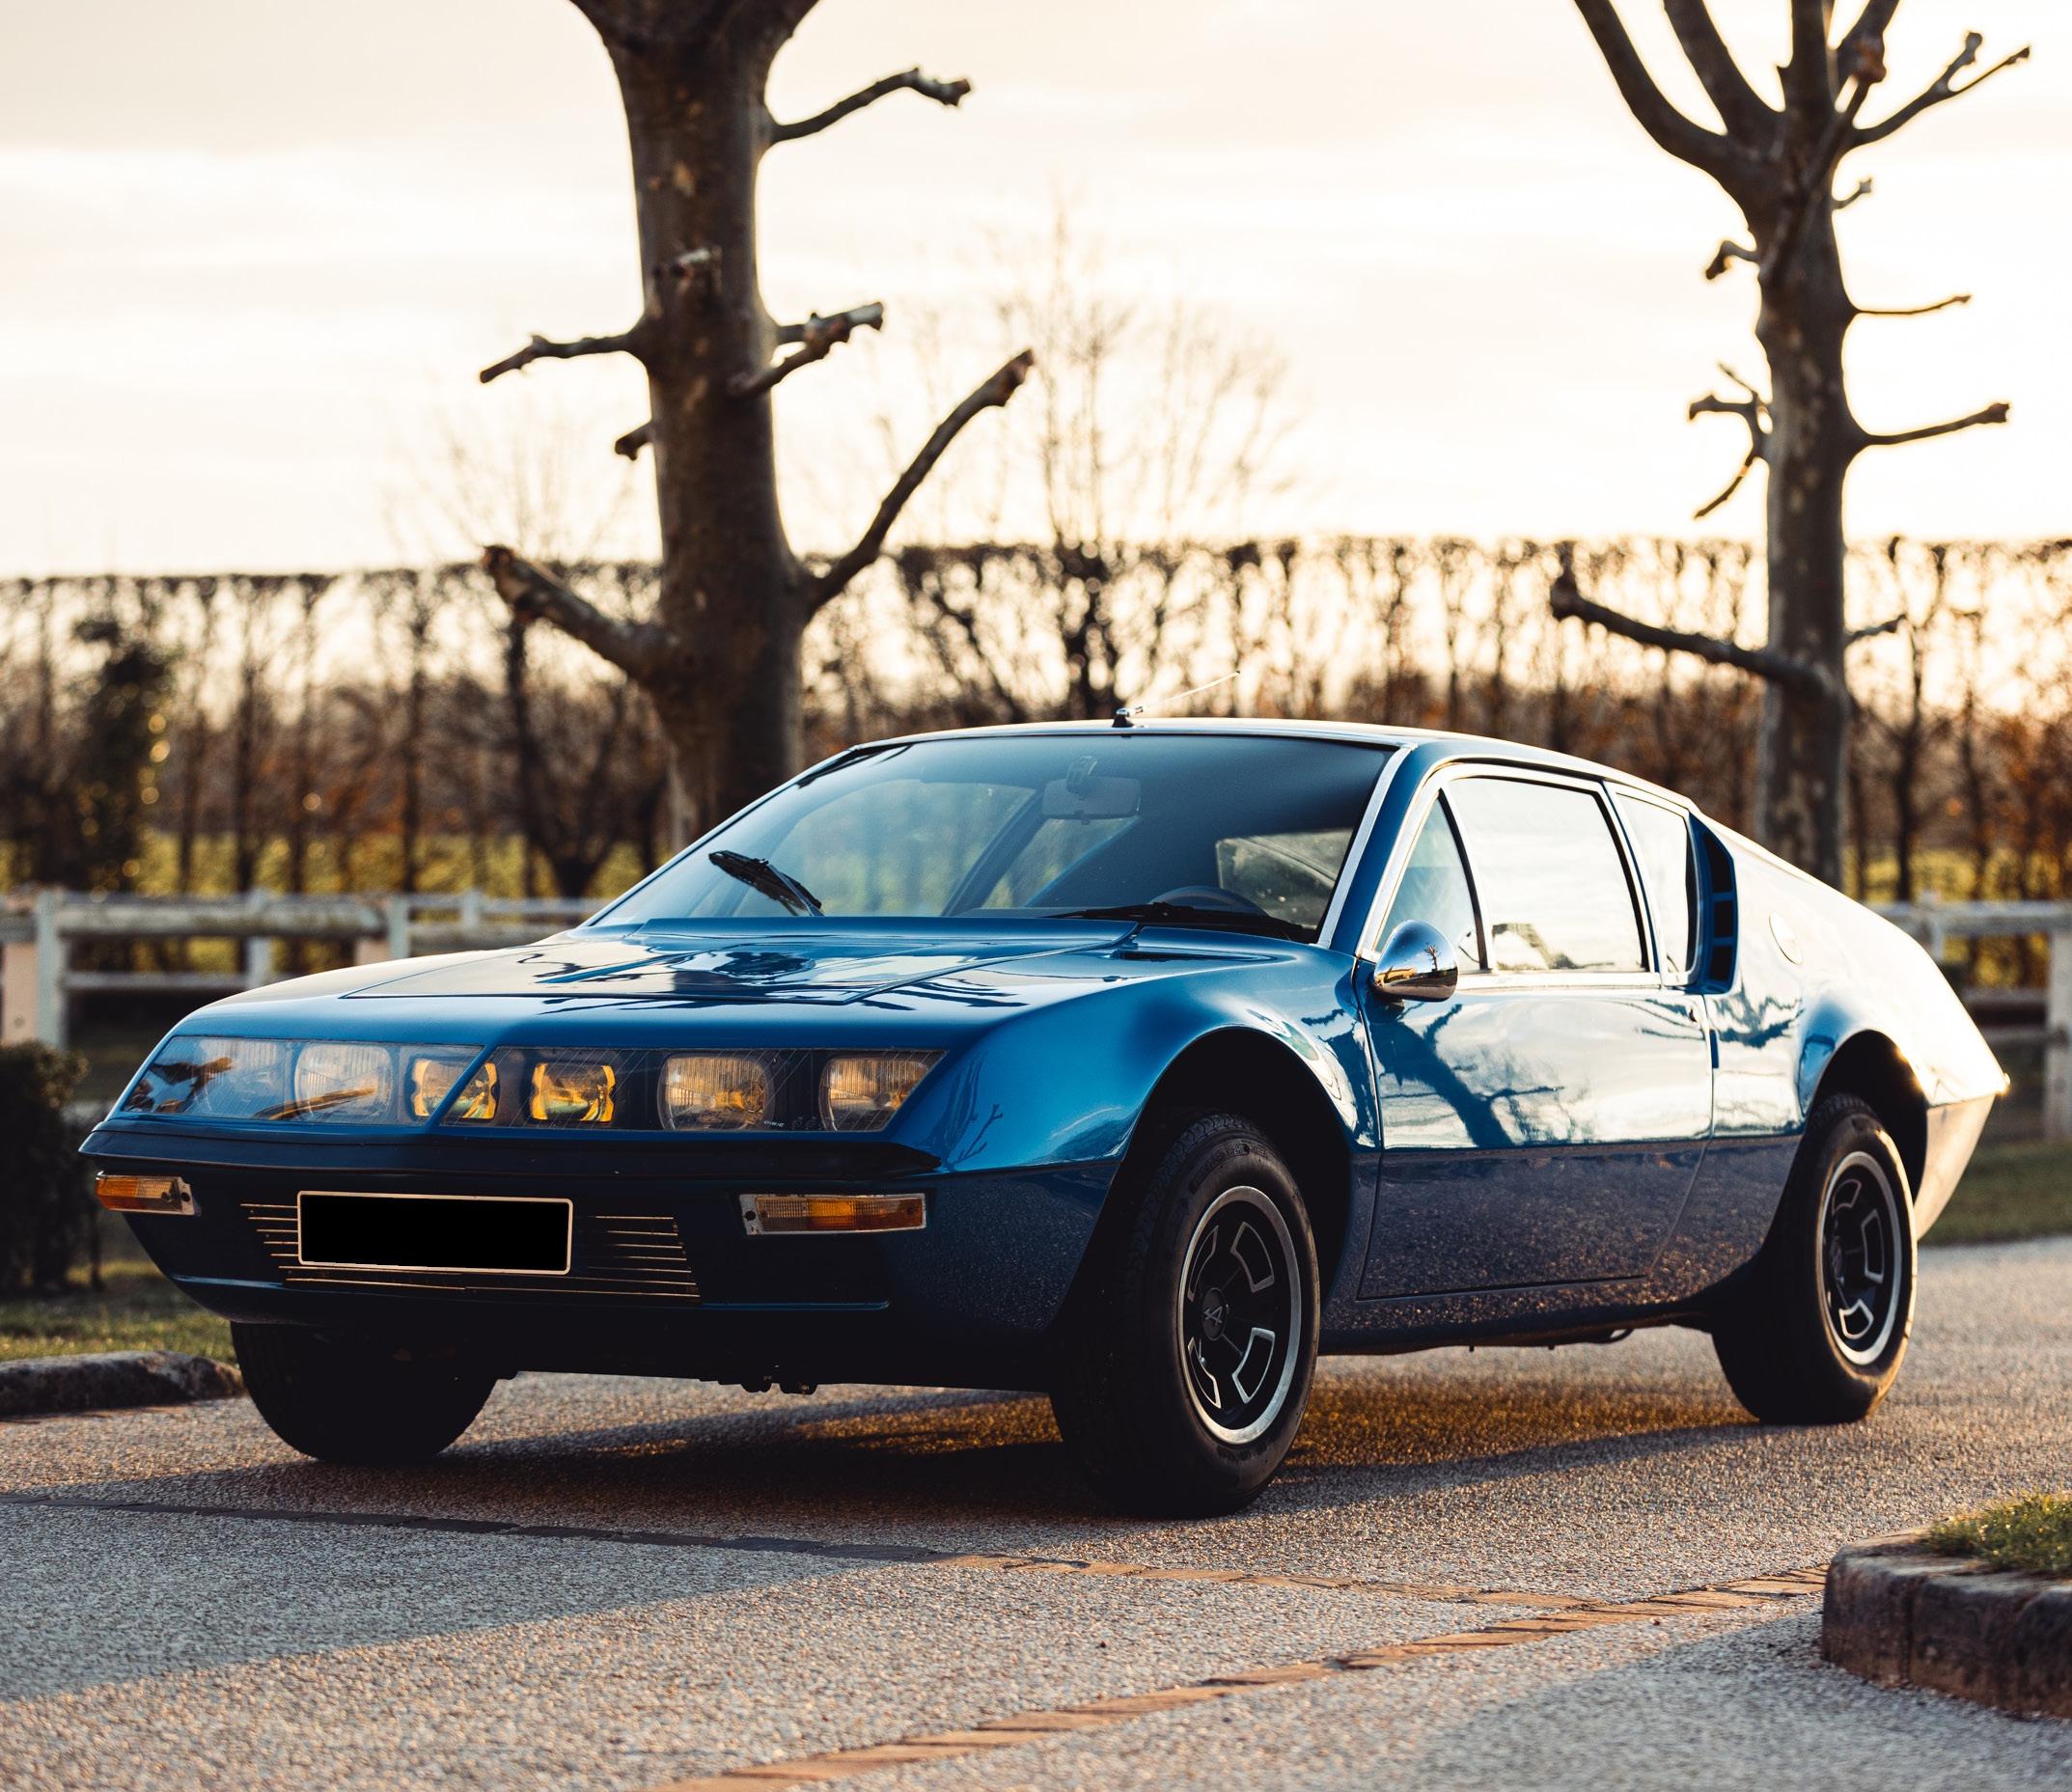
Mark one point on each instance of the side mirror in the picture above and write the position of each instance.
(1417, 964)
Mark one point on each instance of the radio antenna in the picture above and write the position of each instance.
(1126, 717)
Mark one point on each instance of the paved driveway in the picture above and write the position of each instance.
(1457, 1581)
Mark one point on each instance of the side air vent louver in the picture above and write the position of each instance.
(1721, 911)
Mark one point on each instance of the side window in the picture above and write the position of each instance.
(1435, 889)
(1669, 873)
(1553, 884)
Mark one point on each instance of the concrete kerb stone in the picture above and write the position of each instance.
(1900, 1615)
(37, 1386)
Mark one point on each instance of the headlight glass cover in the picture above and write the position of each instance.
(334, 1082)
(860, 1091)
(715, 1091)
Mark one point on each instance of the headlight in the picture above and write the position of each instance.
(433, 1078)
(715, 1091)
(860, 1091)
(573, 1092)
(340, 1082)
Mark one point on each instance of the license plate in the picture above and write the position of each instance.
(517, 1235)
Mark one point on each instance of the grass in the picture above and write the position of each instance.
(136, 1309)
(2030, 1535)
(2011, 1191)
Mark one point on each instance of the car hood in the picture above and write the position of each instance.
(823, 964)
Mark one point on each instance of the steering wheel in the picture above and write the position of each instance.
(1211, 897)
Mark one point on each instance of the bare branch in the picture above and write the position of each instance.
(1565, 600)
(1753, 410)
(634, 440)
(1913, 311)
(634, 648)
(943, 92)
(1732, 486)
(1740, 107)
(995, 389)
(1991, 414)
(631, 342)
(1860, 190)
(1942, 87)
(1727, 252)
(1682, 137)
(1872, 630)
(816, 337)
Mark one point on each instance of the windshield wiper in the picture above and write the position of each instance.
(766, 879)
(1186, 915)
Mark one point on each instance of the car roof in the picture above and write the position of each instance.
(1451, 744)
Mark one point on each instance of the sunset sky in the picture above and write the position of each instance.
(252, 254)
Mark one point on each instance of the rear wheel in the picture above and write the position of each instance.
(1192, 1349)
(348, 1402)
(1818, 1334)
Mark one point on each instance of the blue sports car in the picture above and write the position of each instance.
(1133, 1063)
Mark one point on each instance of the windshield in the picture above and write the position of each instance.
(1248, 833)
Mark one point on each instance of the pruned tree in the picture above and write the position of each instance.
(719, 656)
(1778, 163)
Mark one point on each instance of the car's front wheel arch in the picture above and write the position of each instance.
(1238, 1071)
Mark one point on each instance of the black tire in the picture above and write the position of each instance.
(1168, 1412)
(354, 1403)
(1816, 1333)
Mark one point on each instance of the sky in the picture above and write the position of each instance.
(252, 253)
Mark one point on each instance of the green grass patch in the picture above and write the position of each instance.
(137, 1309)
(2011, 1191)
(2030, 1535)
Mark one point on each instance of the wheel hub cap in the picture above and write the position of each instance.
(1240, 1308)
(1861, 1257)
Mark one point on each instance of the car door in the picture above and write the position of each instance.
(1542, 1124)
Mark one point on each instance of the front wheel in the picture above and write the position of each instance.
(1816, 1333)
(1192, 1353)
(345, 1402)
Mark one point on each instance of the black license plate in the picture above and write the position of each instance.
(522, 1236)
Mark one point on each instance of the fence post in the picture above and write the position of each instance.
(399, 926)
(52, 955)
(19, 990)
(2057, 1051)
(258, 949)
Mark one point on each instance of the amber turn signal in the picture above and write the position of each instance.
(833, 1213)
(143, 1194)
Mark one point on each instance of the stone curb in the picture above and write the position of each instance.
(41, 1385)
(1899, 1616)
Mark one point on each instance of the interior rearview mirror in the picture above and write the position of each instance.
(1417, 964)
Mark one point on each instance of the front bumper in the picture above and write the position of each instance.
(664, 1278)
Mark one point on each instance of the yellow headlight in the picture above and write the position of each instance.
(860, 1091)
(715, 1091)
(573, 1092)
(433, 1078)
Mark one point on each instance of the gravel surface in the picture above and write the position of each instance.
(224, 1643)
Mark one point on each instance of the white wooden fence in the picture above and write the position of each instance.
(38, 932)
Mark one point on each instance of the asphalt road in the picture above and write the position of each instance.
(618, 1583)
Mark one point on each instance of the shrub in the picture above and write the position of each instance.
(43, 1194)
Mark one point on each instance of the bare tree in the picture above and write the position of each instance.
(720, 655)
(1778, 164)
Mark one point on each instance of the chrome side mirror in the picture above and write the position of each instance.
(1417, 964)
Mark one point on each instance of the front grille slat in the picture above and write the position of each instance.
(635, 1257)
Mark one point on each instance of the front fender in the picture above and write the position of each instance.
(1065, 1082)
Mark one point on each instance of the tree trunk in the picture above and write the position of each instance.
(1802, 761)
(732, 593)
